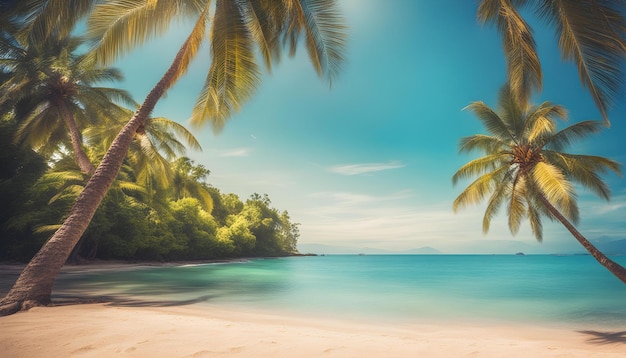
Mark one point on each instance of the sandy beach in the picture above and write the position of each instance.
(103, 330)
(160, 329)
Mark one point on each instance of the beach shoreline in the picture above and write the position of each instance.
(105, 330)
(202, 328)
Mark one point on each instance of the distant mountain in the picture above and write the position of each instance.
(331, 249)
(607, 245)
(497, 246)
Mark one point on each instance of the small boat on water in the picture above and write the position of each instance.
(519, 254)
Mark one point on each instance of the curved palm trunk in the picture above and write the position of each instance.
(616, 269)
(77, 144)
(34, 285)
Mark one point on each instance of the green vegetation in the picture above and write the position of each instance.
(526, 170)
(240, 33)
(160, 205)
(113, 182)
(590, 34)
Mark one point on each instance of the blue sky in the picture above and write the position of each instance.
(368, 162)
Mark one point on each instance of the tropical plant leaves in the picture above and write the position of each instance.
(523, 166)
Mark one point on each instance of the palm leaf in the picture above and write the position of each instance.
(540, 121)
(523, 66)
(483, 143)
(234, 74)
(517, 209)
(553, 184)
(566, 136)
(70, 191)
(481, 165)
(495, 202)
(534, 217)
(122, 25)
(168, 125)
(591, 34)
(263, 29)
(60, 15)
(41, 124)
(130, 188)
(491, 120)
(479, 188)
(584, 170)
(205, 199)
(324, 33)
(511, 111)
(46, 229)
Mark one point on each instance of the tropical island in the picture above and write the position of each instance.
(125, 230)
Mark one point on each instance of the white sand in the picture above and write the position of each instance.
(99, 330)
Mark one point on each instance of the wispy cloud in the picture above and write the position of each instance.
(238, 152)
(397, 221)
(356, 169)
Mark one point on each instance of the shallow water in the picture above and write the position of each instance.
(404, 288)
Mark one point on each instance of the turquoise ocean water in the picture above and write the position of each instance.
(402, 288)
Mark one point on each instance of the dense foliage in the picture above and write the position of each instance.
(160, 207)
(131, 223)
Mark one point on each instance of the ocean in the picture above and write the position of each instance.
(396, 288)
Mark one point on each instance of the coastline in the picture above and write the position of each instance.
(102, 330)
(9, 271)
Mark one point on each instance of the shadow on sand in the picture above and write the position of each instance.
(605, 337)
(127, 302)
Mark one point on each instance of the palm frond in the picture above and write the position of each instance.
(491, 120)
(104, 101)
(151, 169)
(481, 165)
(534, 217)
(511, 110)
(585, 170)
(190, 48)
(263, 29)
(179, 130)
(482, 143)
(122, 25)
(554, 185)
(523, 66)
(540, 121)
(516, 209)
(205, 199)
(130, 188)
(46, 229)
(498, 196)
(58, 15)
(591, 34)
(68, 192)
(478, 189)
(324, 34)
(234, 74)
(563, 138)
(43, 117)
(65, 176)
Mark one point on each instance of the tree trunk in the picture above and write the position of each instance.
(34, 285)
(77, 144)
(616, 269)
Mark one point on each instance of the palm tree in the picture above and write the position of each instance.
(239, 28)
(188, 180)
(526, 170)
(592, 34)
(155, 145)
(55, 94)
